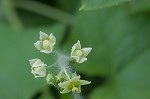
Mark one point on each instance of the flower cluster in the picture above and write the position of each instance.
(66, 80)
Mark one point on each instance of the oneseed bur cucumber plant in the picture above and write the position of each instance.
(65, 79)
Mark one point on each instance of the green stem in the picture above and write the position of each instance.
(66, 96)
(76, 96)
(66, 73)
(47, 11)
(11, 14)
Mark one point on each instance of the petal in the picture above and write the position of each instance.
(65, 91)
(72, 51)
(75, 79)
(32, 61)
(82, 60)
(77, 45)
(51, 47)
(74, 75)
(50, 79)
(39, 71)
(64, 84)
(38, 45)
(36, 62)
(86, 51)
(76, 58)
(84, 82)
(45, 51)
(52, 38)
(43, 36)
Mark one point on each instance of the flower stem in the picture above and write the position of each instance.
(66, 73)
(76, 96)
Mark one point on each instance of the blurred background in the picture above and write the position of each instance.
(118, 31)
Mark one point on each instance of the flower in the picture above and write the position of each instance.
(46, 43)
(50, 79)
(78, 54)
(61, 76)
(38, 68)
(74, 84)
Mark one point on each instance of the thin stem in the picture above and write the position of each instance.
(49, 66)
(47, 11)
(66, 73)
(11, 14)
(76, 96)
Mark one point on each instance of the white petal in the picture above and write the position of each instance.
(32, 61)
(77, 45)
(64, 84)
(38, 45)
(36, 63)
(52, 38)
(39, 71)
(43, 35)
(45, 51)
(75, 78)
(51, 47)
(72, 51)
(82, 60)
(65, 91)
(84, 82)
(86, 51)
(50, 79)
(76, 58)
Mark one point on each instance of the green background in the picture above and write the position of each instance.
(117, 30)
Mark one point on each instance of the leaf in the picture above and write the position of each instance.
(96, 4)
(139, 5)
(121, 51)
(133, 82)
(16, 80)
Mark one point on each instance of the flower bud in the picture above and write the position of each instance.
(50, 79)
(38, 68)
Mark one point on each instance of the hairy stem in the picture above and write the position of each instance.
(76, 96)
(66, 73)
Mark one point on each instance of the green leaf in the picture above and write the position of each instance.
(16, 80)
(140, 5)
(133, 82)
(96, 4)
(121, 51)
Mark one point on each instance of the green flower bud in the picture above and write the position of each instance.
(38, 68)
(50, 79)
(61, 76)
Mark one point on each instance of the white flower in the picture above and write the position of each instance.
(46, 43)
(78, 54)
(74, 84)
(38, 68)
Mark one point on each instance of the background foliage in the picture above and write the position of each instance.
(117, 30)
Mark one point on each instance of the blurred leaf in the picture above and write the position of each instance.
(133, 82)
(95, 4)
(16, 80)
(121, 51)
(140, 5)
